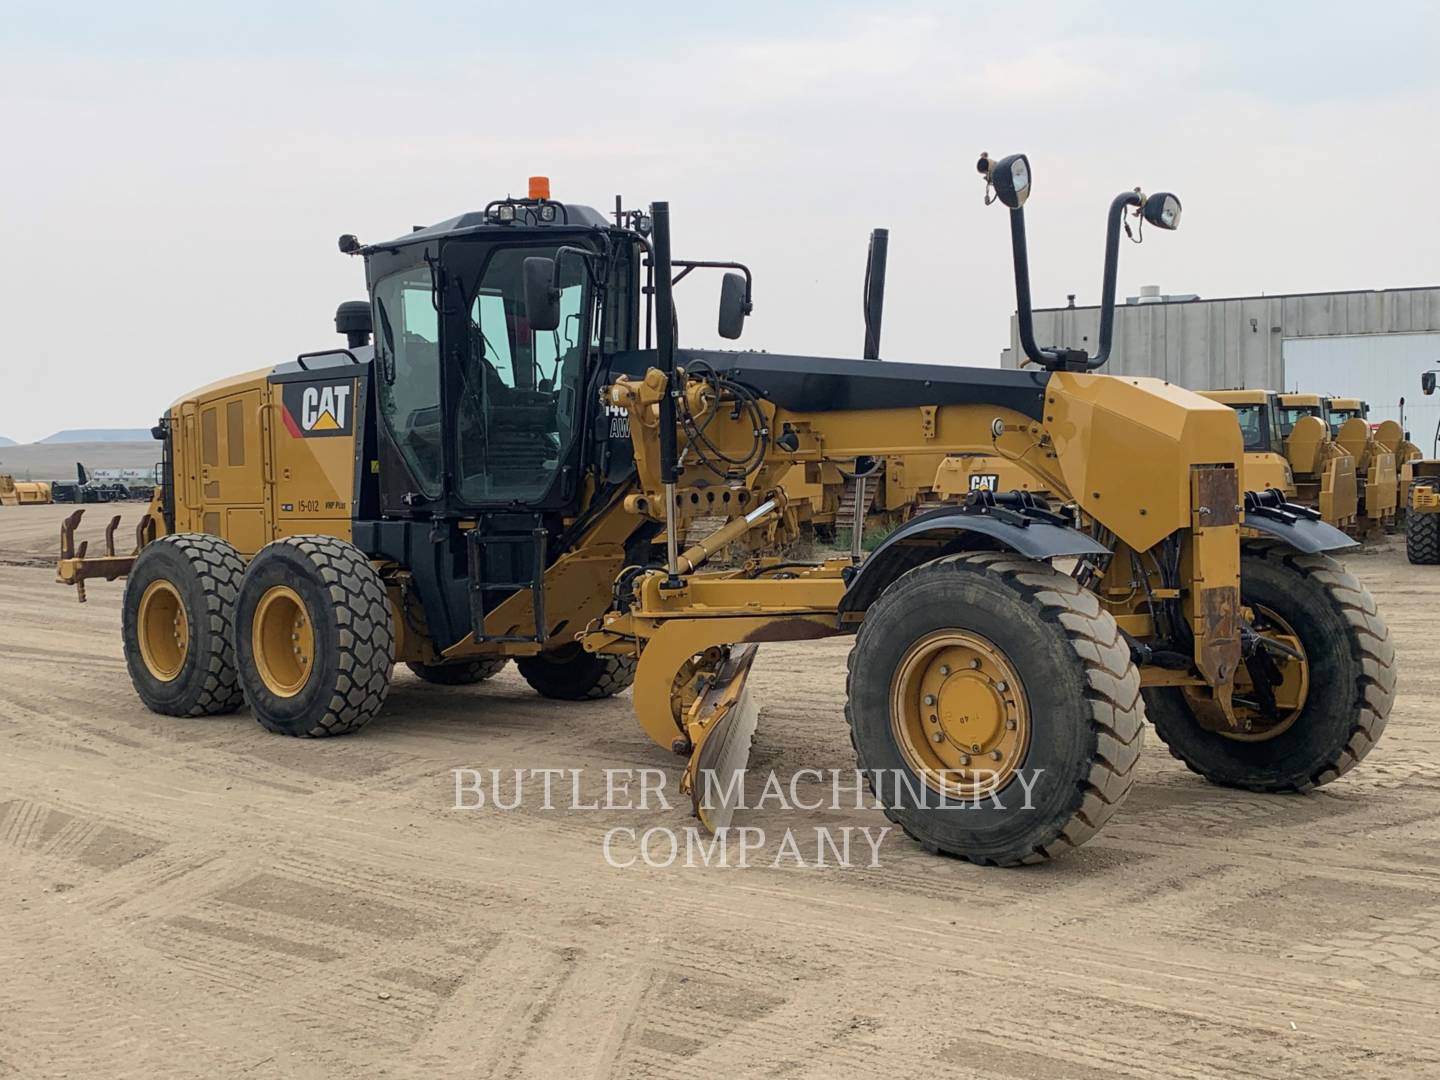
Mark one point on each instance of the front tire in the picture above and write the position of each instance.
(313, 637)
(1422, 538)
(176, 621)
(995, 660)
(1350, 667)
(572, 674)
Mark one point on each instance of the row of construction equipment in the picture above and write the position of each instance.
(83, 489)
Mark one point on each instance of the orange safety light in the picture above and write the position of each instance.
(539, 187)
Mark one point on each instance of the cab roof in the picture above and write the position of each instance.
(1293, 400)
(567, 216)
(1237, 397)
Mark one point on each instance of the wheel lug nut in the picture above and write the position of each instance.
(929, 699)
(974, 663)
(944, 669)
(994, 755)
(1001, 686)
(939, 736)
(1009, 725)
(975, 748)
(964, 759)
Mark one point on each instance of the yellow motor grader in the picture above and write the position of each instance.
(1388, 436)
(1324, 472)
(507, 472)
(1258, 414)
(1376, 472)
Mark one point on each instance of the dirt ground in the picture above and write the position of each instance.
(199, 898)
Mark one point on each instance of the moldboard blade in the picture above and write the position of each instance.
(724, 725)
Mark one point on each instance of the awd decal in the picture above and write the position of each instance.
(619, 421)
(315, 410)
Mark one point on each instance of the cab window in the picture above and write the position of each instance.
(407, 343)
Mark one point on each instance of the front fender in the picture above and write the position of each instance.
(1298, 526)
(946, 531)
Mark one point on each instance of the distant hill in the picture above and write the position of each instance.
(104, 435)
(56, 461)
(6, 442)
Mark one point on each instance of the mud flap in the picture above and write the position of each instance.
(721, 726)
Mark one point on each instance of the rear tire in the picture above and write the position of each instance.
(1422, 538)
(1351, 663)
(1077, 706)
(188, 581)
(572, 674)
(460, 673)
(321, 593)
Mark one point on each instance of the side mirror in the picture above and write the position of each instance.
(733, 307)
(1162, 210)
(542, 298)
(1427, 383)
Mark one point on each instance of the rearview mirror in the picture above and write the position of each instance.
(1427, 383)
(733, 307)
(542, 298)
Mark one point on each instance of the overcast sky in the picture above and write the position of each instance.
(174, 177)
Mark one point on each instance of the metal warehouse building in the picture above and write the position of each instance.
(1370, 345)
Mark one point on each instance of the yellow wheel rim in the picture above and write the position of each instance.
(1290, 695)
(959, 714)
(163, 630)
(283, 641)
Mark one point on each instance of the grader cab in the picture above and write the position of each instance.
(510, 472)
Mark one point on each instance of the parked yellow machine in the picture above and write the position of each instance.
(1388, 436)
(507, 473)
(1325, 474)
(1266, 466)
(1376, 478)
(1422, 500)
(23, 492)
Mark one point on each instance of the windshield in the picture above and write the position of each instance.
(520, 390)
(1289, 414)
(1339, 416)
(1256, 422)
(407, 343)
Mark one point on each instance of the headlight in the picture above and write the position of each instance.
(1011, 179)
(1163, 210)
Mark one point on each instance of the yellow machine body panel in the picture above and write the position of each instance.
(958, 475)
(256, 459)
(23, 492)
(1126, 446)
